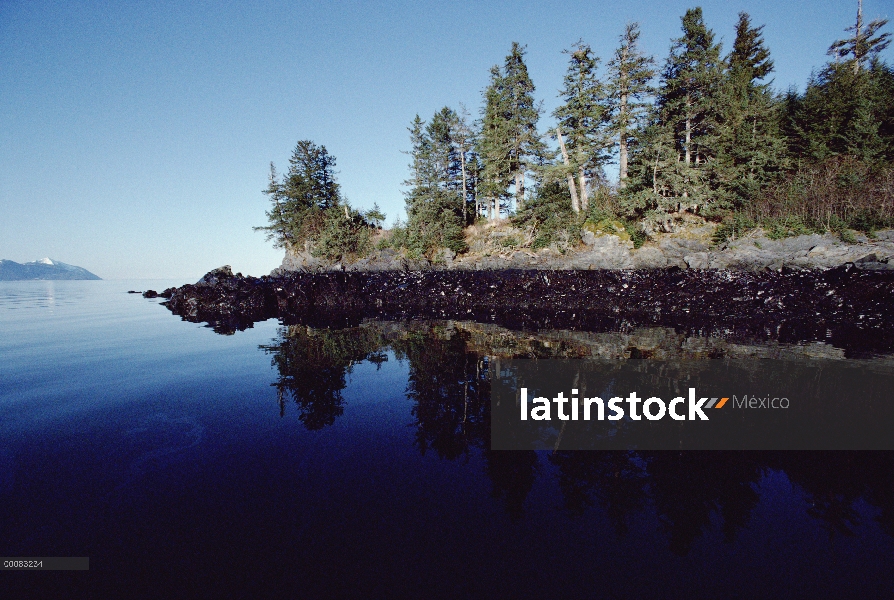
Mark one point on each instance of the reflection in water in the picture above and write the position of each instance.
(449, 365)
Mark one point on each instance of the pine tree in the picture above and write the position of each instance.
(494, 145)
(522, 116)
(509, 144)
(277, 231)
(865, 44)
(580, 130)
(846, 108)
(688, 89)
(630, 73)
(464, 137)
(750, 148)
(308, 212)
(434, 201)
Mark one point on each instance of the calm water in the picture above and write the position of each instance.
(295, 462)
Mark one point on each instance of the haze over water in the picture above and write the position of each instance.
(307, 462)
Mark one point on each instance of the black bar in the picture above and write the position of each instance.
(45, 563)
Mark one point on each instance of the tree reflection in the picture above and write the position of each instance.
(449, 387)
(450, 390)
(312, 365)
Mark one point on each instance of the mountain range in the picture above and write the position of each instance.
(44, 268)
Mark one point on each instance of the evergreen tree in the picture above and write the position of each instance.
(864, 44)
(434, 201)
(750, 148)
(687, 92)
(299, 201)
(509, 142)
(494, 146)
(630, 73)
(278, 231)
(464, 137)
(308, 212)
(525, 147)
(583, 140)
(846, 108)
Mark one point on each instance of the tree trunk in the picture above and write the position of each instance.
(519, 190)
(462, 162)
(622, 143)
(622, 121)
(571, 187)
(584, 199)
(858, 54)
(688, 131)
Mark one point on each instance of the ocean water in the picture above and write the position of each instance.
(287, 461)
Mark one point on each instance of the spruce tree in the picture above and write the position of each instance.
(864, 44)
(846, 109)
(525, 145)
(686, 102)
(581, 132)
(509, 144)
(494, 145)
(630, 74)
(749, 146)
(434, 201)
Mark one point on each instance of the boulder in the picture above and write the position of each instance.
(216, 276)
(649, 257)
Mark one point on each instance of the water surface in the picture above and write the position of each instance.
(302, 462)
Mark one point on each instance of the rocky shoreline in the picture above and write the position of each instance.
(689, 249)
(847, 307)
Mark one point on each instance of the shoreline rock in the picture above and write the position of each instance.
(754, 252)
(846, 306)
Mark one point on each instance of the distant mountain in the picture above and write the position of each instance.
(42, 269)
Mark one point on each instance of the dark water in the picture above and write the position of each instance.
(300, 462)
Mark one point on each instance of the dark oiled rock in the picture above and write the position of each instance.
(846, 306)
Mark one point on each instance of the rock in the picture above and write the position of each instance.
(649, 257)
(445, 255)
(302, 261)
(216, 276)
(698, 260)
(150, 294)
(132, 292)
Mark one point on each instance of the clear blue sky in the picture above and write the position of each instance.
(136, 137)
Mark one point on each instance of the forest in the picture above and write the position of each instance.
(700, 136)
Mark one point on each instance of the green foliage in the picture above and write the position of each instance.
(788, 226)
(308, 210)
(509, 144)
(436, 207)
(630, 73)
(548, 214)
(584, 115)
(732, 227)
(344, 234)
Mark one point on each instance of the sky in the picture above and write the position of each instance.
(136, 137)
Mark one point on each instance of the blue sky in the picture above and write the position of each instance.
(136, 137)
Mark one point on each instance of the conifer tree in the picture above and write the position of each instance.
(846, 108)
(750, 149)
(864, 44)
(630, 73)
(688, 89)
(525, 145)
(493, 146)
(434, 201)
(583, 140)
(509, 144)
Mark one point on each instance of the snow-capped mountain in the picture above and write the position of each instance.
(45, 268)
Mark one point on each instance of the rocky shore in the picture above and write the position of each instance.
(846, 306)
(688, 249)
